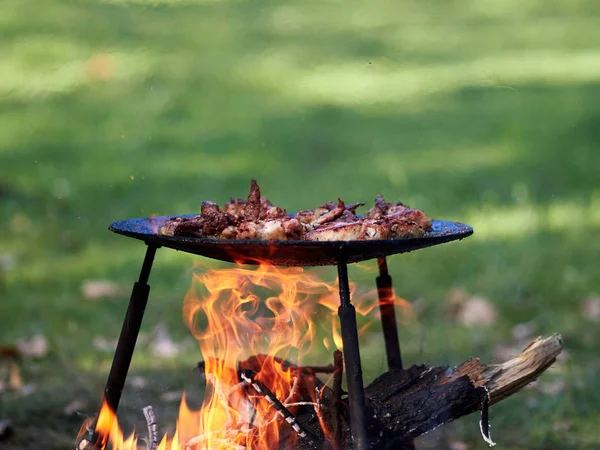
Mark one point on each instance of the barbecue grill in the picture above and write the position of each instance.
(281, 253)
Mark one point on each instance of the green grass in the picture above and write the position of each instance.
(484, 112)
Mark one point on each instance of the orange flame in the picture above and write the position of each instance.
(257, 319)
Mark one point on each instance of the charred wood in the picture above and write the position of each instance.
(404, 404)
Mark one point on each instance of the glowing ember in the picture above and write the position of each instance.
(259, 320)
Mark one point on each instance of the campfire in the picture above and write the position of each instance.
(257, 330)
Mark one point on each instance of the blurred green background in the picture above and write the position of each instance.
(483, 112)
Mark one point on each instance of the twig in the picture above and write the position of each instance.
(314, 405)
(292, 391)
(152, 428)
(263, 391)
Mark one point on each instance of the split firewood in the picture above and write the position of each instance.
(404, 404)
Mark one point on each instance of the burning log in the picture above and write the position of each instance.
(404, 404)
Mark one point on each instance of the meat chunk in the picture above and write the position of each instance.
(352, 231)
(413, 215)
(323, 209)
(402, 228)
(271, 230)
(170, 225)
(214, 219)
(372, 229)
(230, 232)
(335, 232)
(235, 207)
(248, 230)
(268, 211)
(252, 207)
(330, 215)
(293, 229)
(306, 216)
(382, 208)
(190, 227)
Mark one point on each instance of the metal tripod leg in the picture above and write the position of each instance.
(356, 391)
(385, 292)
(125, 347)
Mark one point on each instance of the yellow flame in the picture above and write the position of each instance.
(256, 319)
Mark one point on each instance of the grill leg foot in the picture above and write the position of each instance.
(125, 345)
(356, 391)
(385, 292)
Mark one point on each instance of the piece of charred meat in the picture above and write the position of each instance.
(215, 220)
(381, 208)
(402, 228)
(170, 225)
(330, 215)
(306, 216)
(413, 215)
(268, 211)
(235, 207)
(252, 207)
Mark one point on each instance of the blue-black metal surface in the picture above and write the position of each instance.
(287, 253)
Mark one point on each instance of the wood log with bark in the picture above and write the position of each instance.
(404, 404)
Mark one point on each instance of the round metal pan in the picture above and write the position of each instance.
(287, 253)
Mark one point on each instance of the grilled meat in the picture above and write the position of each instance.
(382, 208)
(257, 218)
(170, 225)
(235, 207)
(306, 216)
(330, 215)
(412, 215)
(335, 232)
(252, 208)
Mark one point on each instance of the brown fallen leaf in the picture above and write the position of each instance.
(100, 289)
(35, 346)
(454, 302)
(100, 66)
(15, 382)
(590, 308)
(477, 311)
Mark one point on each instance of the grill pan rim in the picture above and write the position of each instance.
(287, 253)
